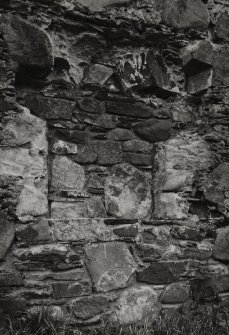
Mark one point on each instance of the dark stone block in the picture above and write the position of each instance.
(7, 233)
(66, 290)
(221, 30)
(11, 279)
(12, 305)
(127, 109)
(117, 222)
(161, 273)
(109, 153)
(138, 159)
(50, 108)
(76, 136)
(153, 130)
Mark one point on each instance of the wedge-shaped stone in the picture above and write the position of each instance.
(110, 265)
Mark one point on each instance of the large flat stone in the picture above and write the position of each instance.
(110, 265)
(7, 233)
(109, 153)
(127, 109)
(67, 175)
(222, 26)
(135, 304)
(127, 193)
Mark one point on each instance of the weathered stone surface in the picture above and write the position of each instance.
(127, 193)
(175, 293)
(50, 108)
(23, 128)
(11, 279)
(67, 175)
(91, 208)
(138, 146)
(221, 247)
(138, 158)
(220, 176)
(109, 153)
(75, 136)
(7, 232)
(120, 134)
(83, 229)
(161, 273)
(50, 256)
(10, 305)
(87, 153)
(20, 36)
(127, 109)
(91, 105)
(97, 75)
(136, 304)
(153, 130)
(221, 66)
(86, 308)
(186, 14)
(187, 233)
(197, 57)
(95, 184)
(13, 161)
(110, 265)
(34, 233)
(99, 5)
(60, 147)
(199, 82)
(207, 287)
(221, 26)
(103, 120)
(171, 206)
(33, 199)
(126, 231)
(68, 290)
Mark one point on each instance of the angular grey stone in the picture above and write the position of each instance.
(20, 36)
(99, 5)
(67, 175)
(175, 293)
(138, 146)
(109, 153)
(129, 109)
(221, 247)
(103, 120)
(199, 82)
(120, 134)
(171, 206)
(138, 158)
(87, 153)
(84, 229)
(222, 26)
(135, 304)
(86, 308)
(34, 233)
(97, 75)
(50, 108)
(192, 14)
(110, 265)
(7, 233)
(60, 147)
(68, 290)
(153, 130)
(127, 193)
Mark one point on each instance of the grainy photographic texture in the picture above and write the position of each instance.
(114, 157)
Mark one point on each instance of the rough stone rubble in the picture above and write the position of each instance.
(114, 156)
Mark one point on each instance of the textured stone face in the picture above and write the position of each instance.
(136, 304)
(221, 247)
(98, 5)
(186, 14)
(127, 193)
(6, 235)
(110, 265)
(28, 45)
(175, 293)
(67, 175)
(153, 130)
(221, 27)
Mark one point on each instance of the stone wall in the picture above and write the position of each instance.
(114, 160)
